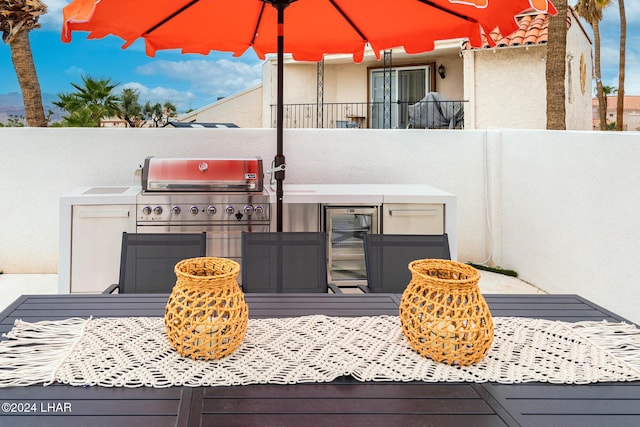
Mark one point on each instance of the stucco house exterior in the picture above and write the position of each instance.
(502, 86)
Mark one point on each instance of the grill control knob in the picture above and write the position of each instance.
(194, 210)
(248, 210)
(229, 210)
(211, 210)
(146, 210)
(157, 210)
(258, 210)
(176, 210)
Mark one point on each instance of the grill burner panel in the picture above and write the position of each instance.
(196, 208)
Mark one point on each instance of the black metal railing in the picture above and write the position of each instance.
(401, 115)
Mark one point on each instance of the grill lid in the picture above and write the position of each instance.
(202, 174)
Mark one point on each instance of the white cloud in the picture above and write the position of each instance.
(611, 14)
(52, 20)
(214, 77)
(74, 72)
(181, 99)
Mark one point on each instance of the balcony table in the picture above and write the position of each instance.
(345, 401)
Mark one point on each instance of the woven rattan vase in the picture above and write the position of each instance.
(443, 314)
(206, 316)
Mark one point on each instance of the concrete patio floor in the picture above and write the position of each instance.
(14, 285)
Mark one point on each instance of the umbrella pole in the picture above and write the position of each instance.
(279, 161)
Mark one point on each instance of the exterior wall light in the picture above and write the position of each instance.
(441, 71)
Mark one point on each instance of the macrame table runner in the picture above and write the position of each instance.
(134, 352)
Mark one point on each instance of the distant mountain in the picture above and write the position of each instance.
(11, 105)
(11, 98)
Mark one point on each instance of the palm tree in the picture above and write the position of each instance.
(591, 11)
(159, 114)
(606, 91)
(17, 19)
(555, 68)
(130, 108)
(92, 101)
(623, 42)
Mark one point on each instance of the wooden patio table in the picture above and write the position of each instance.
(345, 401)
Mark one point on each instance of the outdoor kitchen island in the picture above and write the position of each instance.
(345, 212)
(304, 210)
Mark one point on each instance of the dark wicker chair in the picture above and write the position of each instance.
(387, 257)
(285, 262)
(147, 260)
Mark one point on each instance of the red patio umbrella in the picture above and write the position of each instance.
(314, 28)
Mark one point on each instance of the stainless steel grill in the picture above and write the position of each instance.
(223, 197)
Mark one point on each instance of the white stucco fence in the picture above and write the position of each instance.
(561, 208)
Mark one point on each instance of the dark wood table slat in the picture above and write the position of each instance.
(54, 391)
(607, 391)
(102, 407)
(347, 388)
(579, 420)
(65, 420)
(348, 419)
(588, 405)
(384, 404)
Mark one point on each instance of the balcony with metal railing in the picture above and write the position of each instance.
(426, 114)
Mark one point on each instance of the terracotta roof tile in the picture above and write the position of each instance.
(533, 30)
(630, 102)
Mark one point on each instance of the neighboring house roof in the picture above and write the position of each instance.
(113, 122)
(193, 115)
(630, 102)
(534, 30)
(201, 125)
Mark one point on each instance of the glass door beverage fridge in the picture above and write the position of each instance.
(345, 227)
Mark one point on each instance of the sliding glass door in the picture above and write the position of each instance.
(408, 85)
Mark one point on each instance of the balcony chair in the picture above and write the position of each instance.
(285, 262)
(387, 257)
(147, 260)
(346, 124)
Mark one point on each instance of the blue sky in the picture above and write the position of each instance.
(193, 81)
(189, 81)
